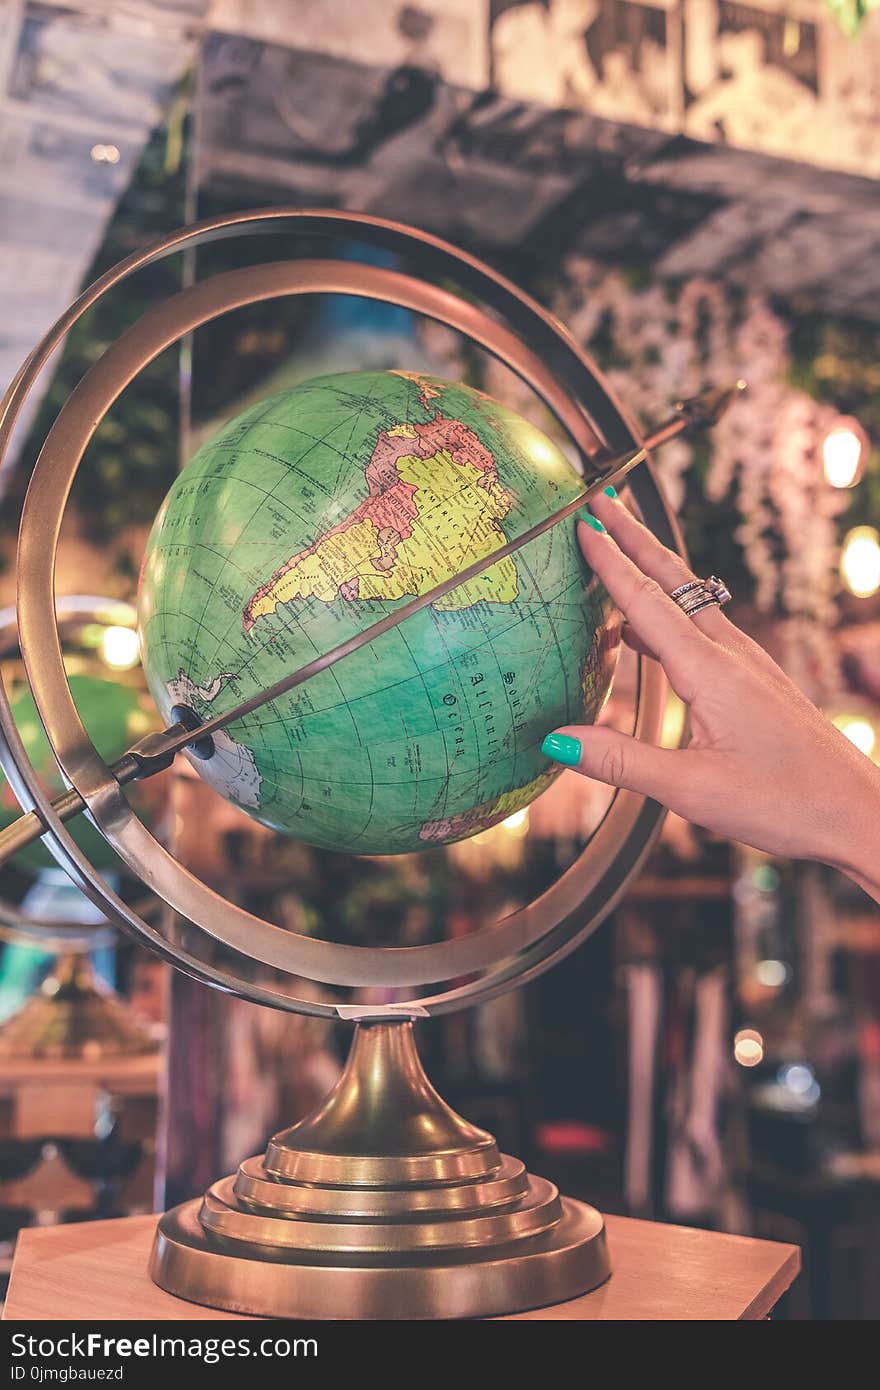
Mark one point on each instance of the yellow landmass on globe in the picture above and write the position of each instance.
(514, 800)
(490, 813)
(441, 514)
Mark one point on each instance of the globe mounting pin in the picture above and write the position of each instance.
(203, 747)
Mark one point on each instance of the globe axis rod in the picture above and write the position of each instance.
(156, 752)
(694, 414)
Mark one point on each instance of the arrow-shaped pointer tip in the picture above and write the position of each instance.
(707, 407)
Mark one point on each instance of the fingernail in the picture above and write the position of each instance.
(562, 749)
(591, 520)
(611, 490)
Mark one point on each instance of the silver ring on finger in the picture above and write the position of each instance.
(698, 594)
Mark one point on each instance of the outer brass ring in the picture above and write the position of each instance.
(602, 869)
(54, 937)
(42, 516)
(15, 927)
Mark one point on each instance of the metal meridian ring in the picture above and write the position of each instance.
(315, 959)
(543, 930)
(57, 937)
(16, 927)
(29, 578)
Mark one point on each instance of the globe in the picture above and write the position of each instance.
(114, 717)
(304, 521)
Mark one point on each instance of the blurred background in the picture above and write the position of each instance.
(691, 185)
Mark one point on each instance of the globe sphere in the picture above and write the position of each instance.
(306, 519)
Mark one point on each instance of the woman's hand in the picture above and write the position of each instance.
(763, 765)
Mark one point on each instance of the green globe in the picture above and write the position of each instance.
(113, 717)
(305, 520)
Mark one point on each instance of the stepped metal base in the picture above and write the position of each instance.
(383, 1204)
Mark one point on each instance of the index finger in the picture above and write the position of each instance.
(650, 554)
(653, 557)
(680, 646)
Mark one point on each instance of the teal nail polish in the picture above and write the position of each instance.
(562, 749)
(611, 490)
(591, 520)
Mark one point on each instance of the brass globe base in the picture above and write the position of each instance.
(382, 1204)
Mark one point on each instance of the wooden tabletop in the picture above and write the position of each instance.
(98, 1270)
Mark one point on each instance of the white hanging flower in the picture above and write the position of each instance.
(670, 341)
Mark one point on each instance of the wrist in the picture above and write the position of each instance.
(857, 849)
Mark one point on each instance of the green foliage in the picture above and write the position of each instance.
(851, 14)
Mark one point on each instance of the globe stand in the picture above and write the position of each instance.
(383, 1203)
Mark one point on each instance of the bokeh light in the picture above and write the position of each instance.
(773, 974)
(800, 1080)
(673, 721)
(748, 1047)
(518, 823)
(844, 450)
(119, 648)
(105, 154)
(859, 730)
(766, 878)
(860, 561)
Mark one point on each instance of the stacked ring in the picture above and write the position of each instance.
(698, 594)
